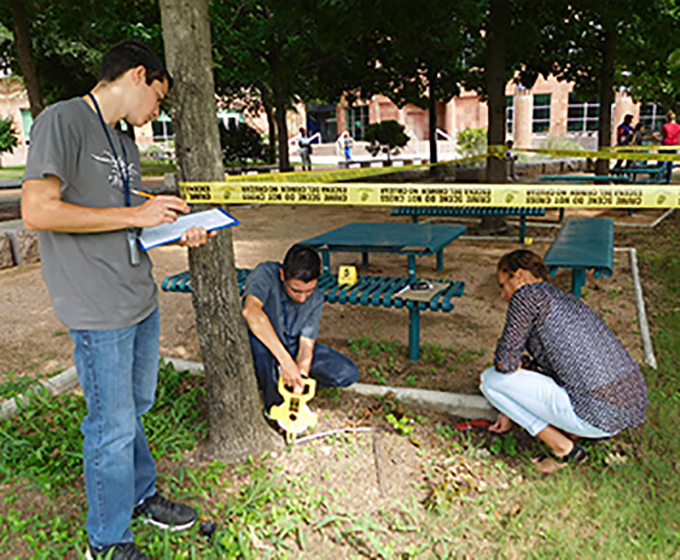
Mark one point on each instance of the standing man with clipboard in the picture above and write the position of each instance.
(78, 193)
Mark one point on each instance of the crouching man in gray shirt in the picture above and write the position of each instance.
(78, 193)
(282, 307)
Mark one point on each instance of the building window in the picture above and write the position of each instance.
(582, 116)
(540, 121)
(652, 115)
(357, 121)
(509, 113)
(162, 128)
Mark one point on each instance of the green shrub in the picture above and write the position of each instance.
(471, 142)
(240, 144)
(387, 137)
(8, 135)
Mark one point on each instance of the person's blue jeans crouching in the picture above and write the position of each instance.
(329, 367)
(118, 371)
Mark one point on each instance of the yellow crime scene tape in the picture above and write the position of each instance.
(609, 153)
(325, 186)
(497, 151)
(390, 194)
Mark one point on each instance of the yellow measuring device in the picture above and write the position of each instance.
(293, 415)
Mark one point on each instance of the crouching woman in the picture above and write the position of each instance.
(578, 379)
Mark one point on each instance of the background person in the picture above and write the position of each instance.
(511, 162)
(624, 136)
(669, 137)
(580, 379)
(346, 143)
(282, 307)
(77, 195)
(305, 146)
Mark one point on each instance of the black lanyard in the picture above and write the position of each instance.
(123, 169)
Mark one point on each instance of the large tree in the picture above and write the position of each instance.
(265, 46)
(590, 43)
(58, 44)
(237, 427)
(416, 55)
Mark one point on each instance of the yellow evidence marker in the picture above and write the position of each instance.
(347, 275)
(293, 415)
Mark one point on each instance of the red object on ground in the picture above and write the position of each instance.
(478, 423)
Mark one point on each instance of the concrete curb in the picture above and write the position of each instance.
(456, 404)
(650, 358)
(56, 385)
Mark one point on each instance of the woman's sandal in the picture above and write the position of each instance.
(576, 456)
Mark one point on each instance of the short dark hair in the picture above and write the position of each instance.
(302, 262)
(131, 54)
(521, 258)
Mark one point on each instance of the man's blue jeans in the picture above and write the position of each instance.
(117, 370)
(329, 367)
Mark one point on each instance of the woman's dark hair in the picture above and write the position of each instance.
(301, 263)
(527, 260)
(131, 54)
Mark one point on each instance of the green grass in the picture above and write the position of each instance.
(151, 168)
(12, 172)
(13, 383)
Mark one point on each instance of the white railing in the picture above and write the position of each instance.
(294, 140)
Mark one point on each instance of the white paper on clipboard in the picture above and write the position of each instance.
(215, 218)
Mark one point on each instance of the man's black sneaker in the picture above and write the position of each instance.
(165, 514)
(120, 551)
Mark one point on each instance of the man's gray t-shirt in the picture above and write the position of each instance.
(89, 276)
(289, 318)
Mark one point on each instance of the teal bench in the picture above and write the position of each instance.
(582, 244)
(582, 179)
(658, 175)
(375, 291)
(449, 211)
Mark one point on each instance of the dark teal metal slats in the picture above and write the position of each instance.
(376, 291)
(466, 211)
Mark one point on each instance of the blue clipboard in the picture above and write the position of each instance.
(213, 219)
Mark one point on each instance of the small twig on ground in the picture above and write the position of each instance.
(377, 452)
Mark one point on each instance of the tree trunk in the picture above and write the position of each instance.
(22, 44)
(267, 103)
(432, 114)
(606, 96)
(495, 86)
(280, 109)
(237, 427)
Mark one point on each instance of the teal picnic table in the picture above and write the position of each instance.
(412, 240)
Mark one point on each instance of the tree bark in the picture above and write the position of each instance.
(495, 86)
(237, 427)
(606, 97)
(279, 94)
(267, 103)
(22, 44)
(432, 114)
